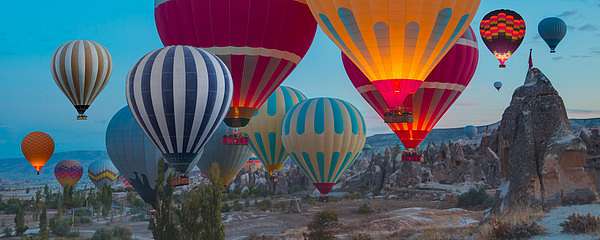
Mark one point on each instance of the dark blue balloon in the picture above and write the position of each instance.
(552, 30)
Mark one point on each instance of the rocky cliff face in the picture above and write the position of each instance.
(541, 159)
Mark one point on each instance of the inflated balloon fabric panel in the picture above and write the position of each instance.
(102, 173)
(133, 153)
(37, 147)
(324, 136)
(81, 69)
(264, 130)
(260, 41)
(394, 39)
(179, 95)
(68, 172)
(552, 30)
(502, 31)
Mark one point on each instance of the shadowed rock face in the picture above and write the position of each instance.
(540, 157)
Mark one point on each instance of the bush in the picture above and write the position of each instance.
(116, 233)
(361, 236)
(60, 226)
(265, 205)
(237, 206)
(83, 212)
(82, 220)
(364, 208)
(475, 199)
(581, 224)
(322, 226)
(522, 230)
(255, 236)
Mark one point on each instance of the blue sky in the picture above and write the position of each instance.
(32, 31)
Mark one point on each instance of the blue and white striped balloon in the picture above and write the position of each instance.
(179, 95)
(324, 136)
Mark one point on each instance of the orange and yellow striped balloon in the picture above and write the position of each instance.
(37, 147)
(396, 44)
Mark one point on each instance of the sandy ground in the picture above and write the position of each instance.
(552, 220)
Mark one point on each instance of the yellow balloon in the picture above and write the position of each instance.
(396, 43)
(264, 130)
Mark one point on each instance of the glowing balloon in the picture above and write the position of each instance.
(81, 70)
(37, 147)
(502, 32)
(552, 30)
(396, 44)
(133, 153)
(324, 136)
(103, 173)
(260, 41)
(68, 172)
(264, 131)
(179, 95)
(229, 157)
(439, 91)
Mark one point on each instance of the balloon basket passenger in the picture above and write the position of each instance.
(235, 137)
(179, 181)
(411, 155)
(399, 116)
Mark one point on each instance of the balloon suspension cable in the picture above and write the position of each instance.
(530, 58)
(81, 117)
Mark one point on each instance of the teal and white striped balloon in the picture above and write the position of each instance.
(324, 136)
(264, 130)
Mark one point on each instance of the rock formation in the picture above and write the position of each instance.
(540, 158)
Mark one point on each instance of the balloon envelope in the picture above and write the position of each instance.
(498, 85)
(81, 69)
(229, 157)
(261, 42)
(264, 131)
(324, 136)
(103, 173)
(502, 32)
(437, 94)
(179, 95)
(37, 147)
(68, 172)
(552, 30)
(396, 44)
(133, 153)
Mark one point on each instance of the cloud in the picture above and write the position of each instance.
(571, 27)
(557, 58)
(580, 56)
(568, 13)
(583, 113)
(588, 28)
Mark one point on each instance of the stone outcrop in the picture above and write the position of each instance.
(540, 158)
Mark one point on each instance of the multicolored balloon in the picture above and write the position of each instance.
(552, 30)
(229, 157)
(103, 173)
(68, 172)
(81, 69)
(502, 32)
(324, 136)
(179, 95)
(37, 147)
(261, 42)
(133, 153)
(264, 131)
(498, 85)
(439, 91)
(396, 44)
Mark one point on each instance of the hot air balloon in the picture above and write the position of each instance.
(264, 131)
(396, 44)
(37, 147)
(498, 85)
(103, 173)
(324, 136)
(133, 153)
(229, 157)
(179, 95)
(81, 69)
(552, 30)
(260, 41)
(470, 131)
(68, 173)
(502, 32)
(439, 91)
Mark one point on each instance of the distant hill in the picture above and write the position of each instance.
(19, 170)
(453, 134)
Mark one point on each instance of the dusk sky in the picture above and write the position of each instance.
(32, 30)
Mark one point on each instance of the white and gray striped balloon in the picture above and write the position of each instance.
(81, 69)
(179, 95)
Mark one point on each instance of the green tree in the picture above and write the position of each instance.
(189, 215)
(20, 226)
(37, 205)
(212, 203)
(106, 200)
(322, 226)
(44, 222)
(162, 222)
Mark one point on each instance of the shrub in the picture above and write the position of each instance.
(475, 199)
(255, 236)
(361, 236)
(83, 212)
(322, 226)
(60, 226)
(237, 206)
(521, 230)
(581, 224)
(364, 208)
(265, 205)
(120, 233)
(82, 220)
